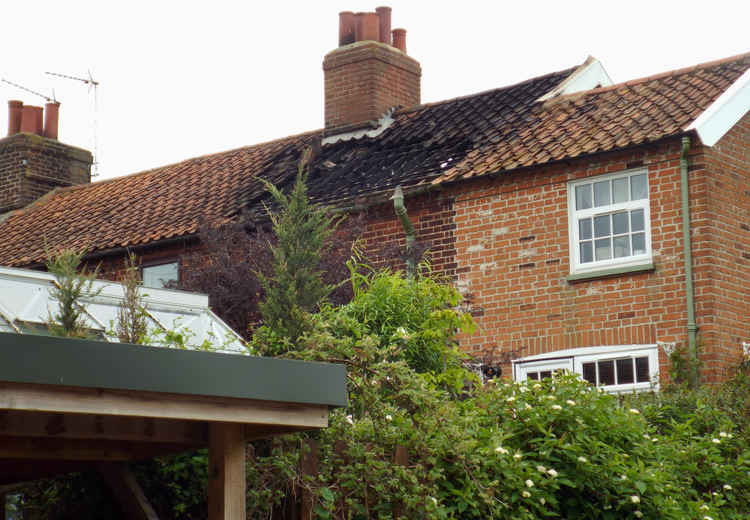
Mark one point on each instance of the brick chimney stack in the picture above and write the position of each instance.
(32, 160)
(369, 73)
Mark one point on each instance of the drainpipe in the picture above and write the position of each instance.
(692, 328)
(400, 209)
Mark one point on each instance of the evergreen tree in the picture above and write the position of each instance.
(295, 286)
(69, 287)
(131, 324)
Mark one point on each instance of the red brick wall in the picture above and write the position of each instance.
(505, 243)
(723, 251)
(365, 79)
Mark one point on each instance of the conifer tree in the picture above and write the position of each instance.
(295, 286)
(69, 288)
(131, 315)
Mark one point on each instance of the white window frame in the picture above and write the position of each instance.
(576, 267)
(573, 360)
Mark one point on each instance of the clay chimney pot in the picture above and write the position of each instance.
(370, 27)
(399, 39)
(384, 17)
(31, 119)
(347, 24)
(15, 109)
(51, 119)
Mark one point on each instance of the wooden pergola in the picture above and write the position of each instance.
(69, 405)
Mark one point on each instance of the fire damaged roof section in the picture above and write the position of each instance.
(449, 141)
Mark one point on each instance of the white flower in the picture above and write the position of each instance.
(552, 473)
(527, 406)
(518, 456)
(634, 411)
(511, 399)
(536, 386)
(551, 397)
(722, 434)
(501, 450)
(349, 419)
(542, 501)
(525, 494)
(434, 500)
(716, 441)
(570, 402)
(541, 469)
(706, 517)
(654, 439)
(556, 407)
(727, 487)
(388, 417)
(635, 499)
(582, 459)
(638, 514)
(705, 507)
(529, 483)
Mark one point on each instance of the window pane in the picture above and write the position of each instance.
(638, 187)
(636, 220)
(583, 196)
(589, 373)
(160, 275)
(601, 193)
(620, 189)
(624, 371)
(603, 249)
(622, 246)
(639, 243)
(546, 373)
(641, 369)
(601, 226)
(584, 229)
(620, 223)
(587, 252)
(533, 376)
(606, 373)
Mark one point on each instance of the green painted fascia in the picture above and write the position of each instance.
(116, 366)
(606, 273)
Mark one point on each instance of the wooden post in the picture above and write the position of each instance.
(226, 471)
(308, 466)
(400, 458)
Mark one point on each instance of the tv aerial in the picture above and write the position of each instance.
(92, 87)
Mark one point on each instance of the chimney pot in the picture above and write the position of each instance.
(31, 119)
(384, 16)
(370, 27)
(15, 108)
(51, 119)
(347, 23)
(399, 39)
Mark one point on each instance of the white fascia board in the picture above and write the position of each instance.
(724, 112)
(586, 351)
(586, 77)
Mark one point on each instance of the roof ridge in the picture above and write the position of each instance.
(569, 70)
(667, 74)
(195, 158)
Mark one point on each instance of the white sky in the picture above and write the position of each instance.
(187, 78)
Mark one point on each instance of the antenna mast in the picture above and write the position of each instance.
(91, 84)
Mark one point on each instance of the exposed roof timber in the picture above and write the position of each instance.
(724, 112)
(590, 74)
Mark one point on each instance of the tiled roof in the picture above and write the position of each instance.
(489, 132)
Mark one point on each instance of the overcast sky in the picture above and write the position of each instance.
(187, 78)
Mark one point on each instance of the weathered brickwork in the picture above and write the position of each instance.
(31, 166)
(433, 218)
(364, 80)
(723, 254)
(505, 243)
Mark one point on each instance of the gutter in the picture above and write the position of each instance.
(692, 328)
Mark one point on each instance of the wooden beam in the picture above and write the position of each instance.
(82, 449)
(102, 427)
(226, 472)
(63, 399)
(127, 491)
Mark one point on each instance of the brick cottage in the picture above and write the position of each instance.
(585, 223)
